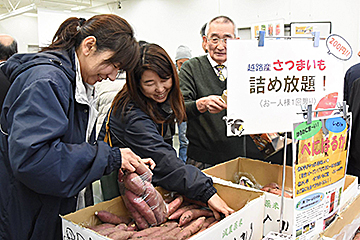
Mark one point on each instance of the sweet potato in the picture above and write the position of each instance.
(164, 229)
(156, 202)
(102, 226)
(155, 231)
(134, 183)
(140, 221)
(132, 227)
(193, 228)
(121, 235)
(175, 204)
(107, 231)
(192, 214)
(165, 237)
(181, 210)
(141, 206)
(272, 185)
(121, 226)
(276, 191)
(144, 172)
(213, 223)
(145, 232)
(266, 189)
(108, 217)
(207, 222)
(174, 231)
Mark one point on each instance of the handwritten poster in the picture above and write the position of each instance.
(319, 166)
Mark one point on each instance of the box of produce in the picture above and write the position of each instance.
(265, 177)
(184, 218)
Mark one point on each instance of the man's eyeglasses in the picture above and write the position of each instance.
(216, 40)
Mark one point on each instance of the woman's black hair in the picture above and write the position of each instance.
(111, 32)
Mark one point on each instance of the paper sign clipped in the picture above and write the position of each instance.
(268, 86)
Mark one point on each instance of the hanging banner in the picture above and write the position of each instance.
(319, 167)
(267, 86)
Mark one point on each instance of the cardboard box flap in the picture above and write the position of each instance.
(236, 199)
(349, 179)
(86, 217)
(263, 172)
(352, 213)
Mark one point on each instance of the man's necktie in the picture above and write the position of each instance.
(220, 74)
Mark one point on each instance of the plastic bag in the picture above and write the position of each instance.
(145, 204)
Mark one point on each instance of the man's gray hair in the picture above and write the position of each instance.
(222, 19)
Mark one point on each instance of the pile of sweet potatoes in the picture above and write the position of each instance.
(183, 219)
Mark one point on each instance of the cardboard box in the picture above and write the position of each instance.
(245, 223)
(264, 173)
(345, 226)
(350, 191)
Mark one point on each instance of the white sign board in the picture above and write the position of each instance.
(267, 86)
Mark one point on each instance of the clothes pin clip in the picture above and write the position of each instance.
(261, 38)
(345, 109)
(316, 38)
(309, 114)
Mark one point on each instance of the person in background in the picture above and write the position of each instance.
(202, 81)
(106, 91)
(8, 47)
(202, 34)
(48, 152)
(351, 96)
(139, 118)
(183, 53)
(351, 75)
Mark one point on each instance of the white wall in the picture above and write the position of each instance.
(170, 23)
(47, 29)
(23, 29)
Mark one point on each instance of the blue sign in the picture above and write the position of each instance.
(335, 125)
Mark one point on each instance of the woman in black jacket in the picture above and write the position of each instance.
(139, 119)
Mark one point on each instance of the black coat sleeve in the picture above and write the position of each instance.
(140, 134)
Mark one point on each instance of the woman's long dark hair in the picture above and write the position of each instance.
(111, 32)
(152, 57)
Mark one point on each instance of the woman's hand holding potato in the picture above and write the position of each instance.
(131, 161)
(217, 205)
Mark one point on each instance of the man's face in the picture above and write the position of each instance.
(218, 30)
(180, 62)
